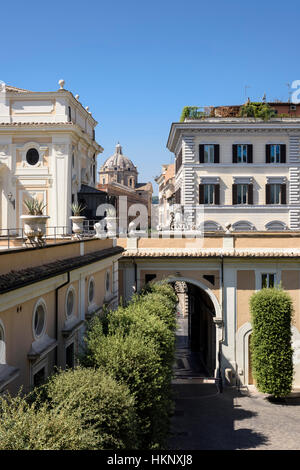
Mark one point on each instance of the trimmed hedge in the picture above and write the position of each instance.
(272, 353)
(98, 400)
(138, 350)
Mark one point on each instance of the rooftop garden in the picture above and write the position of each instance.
(257, 110)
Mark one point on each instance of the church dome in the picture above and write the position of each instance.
(118, 161)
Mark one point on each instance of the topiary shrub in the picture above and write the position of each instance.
(34, 426)
(271, 312)
(98, 401)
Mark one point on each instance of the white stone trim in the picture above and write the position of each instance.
(39, 302)
(2, 344)
(242, 354)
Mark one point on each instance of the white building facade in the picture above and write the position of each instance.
(47, 150)
(244, 172)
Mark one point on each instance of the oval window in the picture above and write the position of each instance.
(70, 302)
(32, 156)
(39, 320)
(107, 281)
(91, 290)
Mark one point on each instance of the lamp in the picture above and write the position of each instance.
(11, 200)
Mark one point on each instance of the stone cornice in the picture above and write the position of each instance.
(50, 127)
(239, 126)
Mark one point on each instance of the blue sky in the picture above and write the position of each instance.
(136, 64)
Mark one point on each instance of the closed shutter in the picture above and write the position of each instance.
(216, 153)
(283, 194)
(268, 153)
(268, 194)
(234, 194)
(282, 153)
(217, 194)
(250, 193)
(201, 153)
(249, 153)
(234, 153)
(201, 193)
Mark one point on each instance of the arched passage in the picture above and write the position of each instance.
(201, 321)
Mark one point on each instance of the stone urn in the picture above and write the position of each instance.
(35, 226)
(77, 224)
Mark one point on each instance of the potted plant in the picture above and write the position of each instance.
(77, 218)
(35, 220)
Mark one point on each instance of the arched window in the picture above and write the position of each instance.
(210, 226)
(32, 156)
(275, 225)
(243, 226)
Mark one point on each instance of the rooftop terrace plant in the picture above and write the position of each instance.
(34, 206)
(258, 110)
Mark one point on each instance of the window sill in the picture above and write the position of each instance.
(41, 347)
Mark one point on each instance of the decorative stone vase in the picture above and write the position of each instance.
(35, 226)
(77, 224)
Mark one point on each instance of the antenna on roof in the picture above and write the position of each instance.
(245, 87)
(290, 91)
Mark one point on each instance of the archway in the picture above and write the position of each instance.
(200, 320)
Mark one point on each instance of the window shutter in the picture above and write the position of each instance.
(234, 153)
(201, 153)
(268, 153)
(216, 153)
(217, 194)
(250, 193)
(282, 153)
(283, 194)
(234, 194)
(268, 194)
(249, 153)
(201, 193)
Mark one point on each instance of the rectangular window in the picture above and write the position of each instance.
(242, 153)
(209, 153)
(275, 153)
(268, 280)
(275, 190)
(242, 193)
(209, 192)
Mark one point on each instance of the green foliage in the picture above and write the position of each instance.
(191, 112)
(34, 207)
(137, 348)
(271, 311)
(257, 110)
(77, 208)
(96, 399)
(34, 426)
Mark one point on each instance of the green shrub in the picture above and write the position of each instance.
(271, 311)
(258, 110)
(135, 361)
(137, 318)
(34, 426)
(98, 400)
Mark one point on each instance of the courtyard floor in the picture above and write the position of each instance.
(206, 419)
